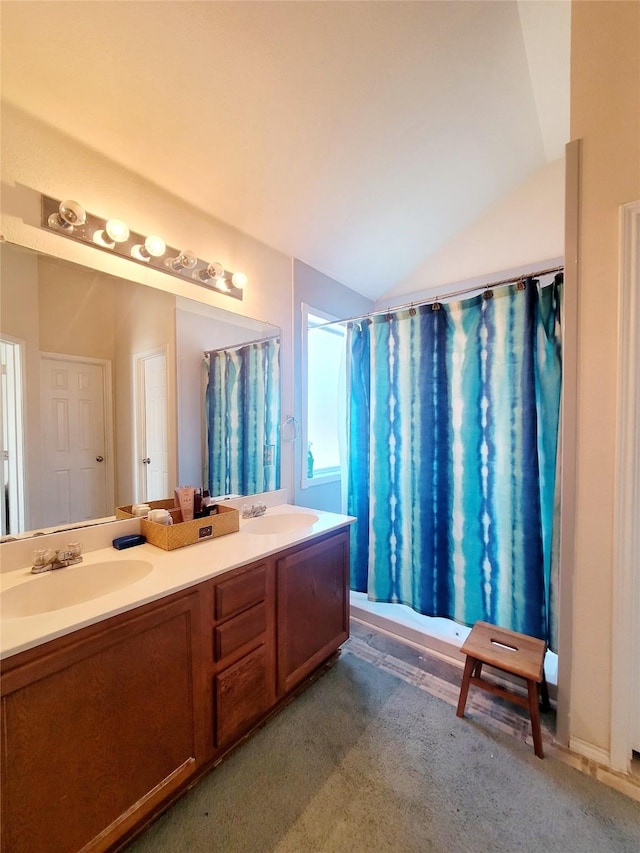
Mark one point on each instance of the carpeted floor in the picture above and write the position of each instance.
(364, 761)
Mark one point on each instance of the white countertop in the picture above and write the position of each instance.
(172, 571)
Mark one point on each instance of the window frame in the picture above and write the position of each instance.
(333, 476)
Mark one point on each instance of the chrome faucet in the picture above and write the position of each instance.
(253, 510)
(48, 561)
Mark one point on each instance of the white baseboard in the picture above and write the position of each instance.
(588, 750)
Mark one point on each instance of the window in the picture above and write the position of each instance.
(323, 396)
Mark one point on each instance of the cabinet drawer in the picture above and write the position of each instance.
(239, 593)
(242, 696)
(235, 633)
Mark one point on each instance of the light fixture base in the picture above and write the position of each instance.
(93, 224)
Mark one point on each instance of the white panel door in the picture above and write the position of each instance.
(156, 460)
(74, 486)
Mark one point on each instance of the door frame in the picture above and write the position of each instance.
(139, 417)
(625, 667)
(107, 394)
(22, 460)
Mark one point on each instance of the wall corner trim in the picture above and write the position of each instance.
(625, 680)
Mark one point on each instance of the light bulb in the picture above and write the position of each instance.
(186, 260)
(212, 271)
(70, 215)
(115, 231)
(222, 284)
(154, 247)
(239, 280)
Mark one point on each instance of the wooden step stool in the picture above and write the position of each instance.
(510, 652)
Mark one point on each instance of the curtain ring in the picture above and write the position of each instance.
(412, 311)
(436, 306)
(521, 285)
(488, 294)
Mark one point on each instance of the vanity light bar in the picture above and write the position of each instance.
(69, 219)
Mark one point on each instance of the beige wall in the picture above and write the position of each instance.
(605, 115)
(77, 310)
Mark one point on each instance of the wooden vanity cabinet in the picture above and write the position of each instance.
(313, 606)
(101, 727)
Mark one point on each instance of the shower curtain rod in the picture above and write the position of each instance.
(244, 344)
(440, 297)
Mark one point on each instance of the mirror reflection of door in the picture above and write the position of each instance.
(11, 438)
(151, 438)
(74, 411)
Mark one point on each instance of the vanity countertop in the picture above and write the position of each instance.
(172, 571)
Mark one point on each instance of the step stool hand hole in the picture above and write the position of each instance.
(504, 646)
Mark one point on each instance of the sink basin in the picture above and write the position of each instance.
(73, 585)
(280, 523)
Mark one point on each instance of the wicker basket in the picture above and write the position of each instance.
(177, 535)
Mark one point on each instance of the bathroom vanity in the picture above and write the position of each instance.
(121, 703)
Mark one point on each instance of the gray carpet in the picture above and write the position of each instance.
(365, 762)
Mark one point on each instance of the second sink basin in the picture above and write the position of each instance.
(279, 523)
(73, 585)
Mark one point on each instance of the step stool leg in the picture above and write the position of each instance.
(464, 687)
(534, 711)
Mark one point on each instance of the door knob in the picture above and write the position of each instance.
(146, 461)
(99, 458)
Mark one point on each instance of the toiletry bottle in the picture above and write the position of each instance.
(185, 496)
(197, 503)
(209, 506)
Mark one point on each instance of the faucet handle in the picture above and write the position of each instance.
(75, 549)
(39, 558)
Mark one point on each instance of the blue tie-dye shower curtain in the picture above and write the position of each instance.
(242, 415)
(453, 429)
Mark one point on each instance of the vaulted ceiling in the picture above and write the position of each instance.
(356, 136)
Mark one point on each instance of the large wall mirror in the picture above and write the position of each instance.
(104, 387)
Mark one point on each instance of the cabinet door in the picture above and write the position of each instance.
(99, 731)
(313, 607)
(242, 695)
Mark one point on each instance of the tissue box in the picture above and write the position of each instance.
(177, 535)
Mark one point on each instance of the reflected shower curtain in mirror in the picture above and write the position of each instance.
(242, 413)
(453, 431)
